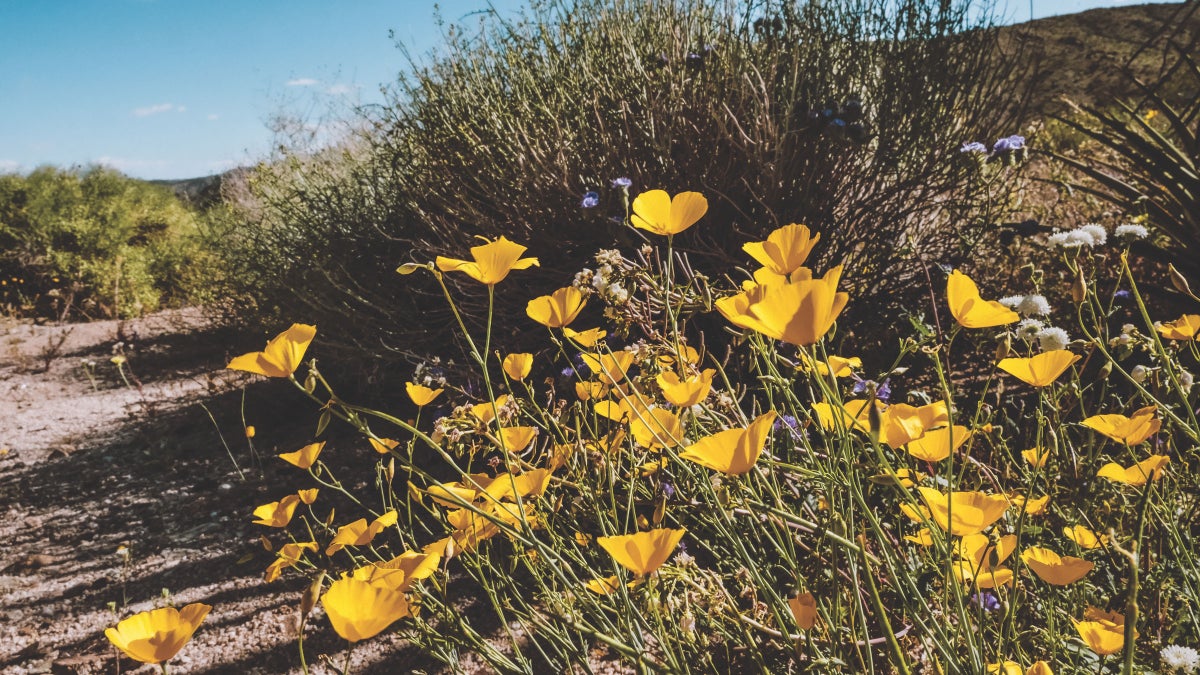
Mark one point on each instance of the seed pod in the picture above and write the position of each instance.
(1178, 281)
(1079, 288)
(311, 594)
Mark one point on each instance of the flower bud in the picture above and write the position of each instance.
(1079, 288)
(311, 594)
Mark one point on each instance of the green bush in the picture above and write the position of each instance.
(845, 116)
(95, 243)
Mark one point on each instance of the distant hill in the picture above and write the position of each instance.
(199, 192)
(1088, 56)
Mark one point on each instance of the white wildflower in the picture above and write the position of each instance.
(1181, 659)
(1130, 231)
(619, 295)
(1028, 329)
(1052, 338)
(1186, 380)
(1096, 231)
(1011, 301)
(608, 257)
(1139, 373)
(1029, 305)
(688, 622)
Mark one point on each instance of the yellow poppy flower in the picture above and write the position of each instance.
(517, 366)
(963, 513)
(1006, 668)
(923, 537)
(1186, 327)
(383, 445)
(281, 357)
(1053, 568)
(804, 610)
(644, 552)
(493, 261)
(304, 457)
(1040, 370)
(1036, 457)
(980, 557)
(785, 250)
(799, 313)
(359, 610)
(970, 309)
(686, 393)
(157, 635)
(277, 514)
(531, 484)
(1033, 507)
(603, 585)
(587, 391)
(289, 555)
(485, 412)
(401, 572)
(1103, 632)
(359, 533)
(609, 368)
(516, 439)
(1128, 430)
(308, 496)
(1147, 469)
(558, 309)
(936, 445)
(1039, 668)
(656, 428)
(1085, 538)
(657, 212)
(733, 451)
(421, 395)
(839, 366)
(585, 338)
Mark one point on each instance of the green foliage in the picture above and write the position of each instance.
(505, 130)
(97, 244)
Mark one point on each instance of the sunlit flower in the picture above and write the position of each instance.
(359, 610)
(657, 212)
(936, 445)
(656, 428)
(1128, 430)
(516, 439)
(250, 431)
(1103, 632)
(610, 367)
(383, 445)
(277, 514)
(585, 338)
(308, 496)
(282, 355)
(1084, 537)
(558, 309)
(980, 559)
(1053, 568)
(1006, 668)
(733, 451)
(493, 261)
(1039, 668)
(644, 552)
(804, 610)
(687, 392)
(1186, 327)
(359, 533)
(304, 457)
(1028, 305)
(401, 572)
(1147, 469)
(923, 537)
(837, 365)
(421, 395)
(1040, 370)
(1130, 232)
(604, 585)
(1031, 506)
(517, 366)
(157, 635)
(1180, 659)
(963, 513)
(1052, 338)
(289, 554)
(785, 249)
(799, 313)
(970, 309)
(1036, 457)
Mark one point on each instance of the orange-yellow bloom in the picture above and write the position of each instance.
(970, 309)
(1084, 537)
(304, 457)
(609, 368)
(516, 439)
(401, 572)
(1005, 668)
(517, 366)
(360, 610)
(1147, 469)
(688, 392)
(289, 555)
(1040, 370)
(799, 313)
(656, 428)
(784, 250)
(1128, 430)
(558, 309)
(1039, 668)
(281, 357)
(936, 445)
(585, 338)
(383, 445)
(657, 212)
(359, 533)
(1186, 327)
(837, 365)
(733, 451)
(277, 514)
(421, 395)
(1103, 632)
(157, 635)
(644, 552)
(963, 513)
(1053, 568)
(1036, 457)
(493, 261)
(308, 496)
(804, 610)
(980, 557)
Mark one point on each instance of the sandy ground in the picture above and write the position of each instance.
(89, 466)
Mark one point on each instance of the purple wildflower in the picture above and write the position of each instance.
(668, 490)
(973, 146)
(590, 200)
(621, 183)
(1009, 144)
(986, 600)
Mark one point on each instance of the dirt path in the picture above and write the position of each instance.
(90, 466)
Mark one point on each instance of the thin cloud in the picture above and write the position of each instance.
(302, 82)
(341, 89)
(9, 165)
(213, 117)
(158, 108)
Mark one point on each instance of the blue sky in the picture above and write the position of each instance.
(183, 88)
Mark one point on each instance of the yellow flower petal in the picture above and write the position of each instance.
(688, 392)
(277, 514)
(558, 309)
(734, 451)
(1147, 469)
(492, 261)
(360, 610)
(785, 250)
(157, 635)
(282, 355)
(1186, 327)
(1040, 370)
(1053, 568)
(1128, 430)
(971, 310)
(1084, 537)
(304, 457)
(421, 395)
(657, 212)
(963, 513)
(644, 552)
(517, 366)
